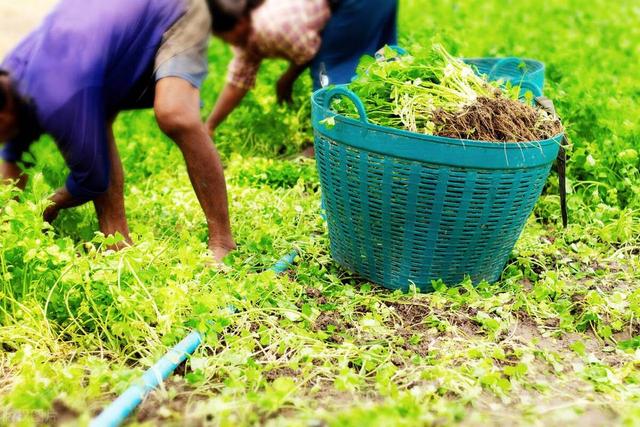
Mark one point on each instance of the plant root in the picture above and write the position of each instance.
(497, 119)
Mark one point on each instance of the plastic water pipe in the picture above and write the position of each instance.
(116, 413)
(285, 263)
(128, 401)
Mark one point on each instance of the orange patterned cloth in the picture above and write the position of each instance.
(288, 29)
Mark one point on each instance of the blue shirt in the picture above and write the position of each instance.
(77, 70)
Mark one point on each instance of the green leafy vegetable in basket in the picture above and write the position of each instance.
(434, 93)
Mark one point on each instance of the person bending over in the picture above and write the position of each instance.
(326, 36)
(91, 59)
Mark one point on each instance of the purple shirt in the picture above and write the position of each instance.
(78, 68)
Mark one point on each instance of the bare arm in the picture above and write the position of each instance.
(11, 172)
(284, 88)
(110, 206)
(228, 100)
(62, 199)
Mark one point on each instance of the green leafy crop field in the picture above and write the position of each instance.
(555, 342)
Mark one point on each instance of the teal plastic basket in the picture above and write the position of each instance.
(527, 73)
(405, 208)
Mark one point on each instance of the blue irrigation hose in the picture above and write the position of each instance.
(285, 262)
(116, 413)
(119, 410)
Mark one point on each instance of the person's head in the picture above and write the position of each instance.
(9, 123)
(232, 19)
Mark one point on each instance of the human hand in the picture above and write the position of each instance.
(284, 90)
(62, 199)
(51, 213)
(12, 173)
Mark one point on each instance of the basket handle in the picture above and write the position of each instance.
(511, 61)
(534, 88)
(343, 91)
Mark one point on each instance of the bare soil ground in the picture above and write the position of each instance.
(17, 18)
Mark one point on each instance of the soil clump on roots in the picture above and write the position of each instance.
(497, 119)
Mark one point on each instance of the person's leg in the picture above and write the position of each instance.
(177, 108)
(110, 206)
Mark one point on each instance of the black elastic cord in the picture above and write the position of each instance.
(561, 160)
(562, 176)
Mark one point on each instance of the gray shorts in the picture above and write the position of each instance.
(183, 52)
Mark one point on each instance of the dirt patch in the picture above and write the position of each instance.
(62, 414)
(328, 319)
(527, 331)
(421, 327)
(276, 373)
(170, 405)
(559, 410)
(291, 274)
(412, 315)
(315, 294)
(421, 347)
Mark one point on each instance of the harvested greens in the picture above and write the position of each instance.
(434, 93)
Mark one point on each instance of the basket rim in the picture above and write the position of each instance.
(542, 65)
(495, 145)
